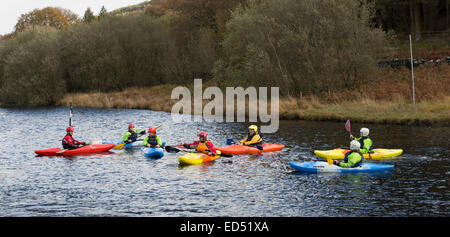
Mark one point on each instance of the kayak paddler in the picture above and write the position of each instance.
(253, 138)
(152, 140)
(364, 140)
(69, 143)
(202, 145)
(131, 135)
(352, 158)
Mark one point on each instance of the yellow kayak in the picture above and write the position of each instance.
(195, 158)
(377, 153)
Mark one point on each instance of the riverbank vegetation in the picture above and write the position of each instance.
(326, 62)
(387, 101)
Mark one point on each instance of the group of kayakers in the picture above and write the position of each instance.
(358, 145)
(152, 140)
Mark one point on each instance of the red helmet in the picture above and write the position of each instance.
(203, 134)
(152, 130)
(69, 129)
(131, 125)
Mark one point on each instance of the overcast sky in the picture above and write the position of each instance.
(10, 10)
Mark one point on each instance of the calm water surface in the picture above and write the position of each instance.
(128, 184)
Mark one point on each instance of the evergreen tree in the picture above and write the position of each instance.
(102, 13)
(88, 15)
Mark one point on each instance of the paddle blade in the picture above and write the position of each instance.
(226, 155)
(230, 141)
(70, 115)
(119, 146)
(330, 161)
(172, 149)
(347, 126)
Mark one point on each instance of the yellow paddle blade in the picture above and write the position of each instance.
(158, 126)
(330, 161)
(119, 146)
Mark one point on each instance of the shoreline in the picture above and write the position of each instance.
(157, 98)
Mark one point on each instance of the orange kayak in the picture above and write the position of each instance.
(236, 149)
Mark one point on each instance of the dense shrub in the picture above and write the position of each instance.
(30, 70)
(300, 46)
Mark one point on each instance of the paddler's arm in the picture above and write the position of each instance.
(141, 132)
(243, 140)
(80, 143)
(145, 141)
(256, 139)
(158, 140)
(189, 146)
(211, 148)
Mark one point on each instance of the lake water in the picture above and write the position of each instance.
(129, 184)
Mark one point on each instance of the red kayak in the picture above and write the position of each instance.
(93, 148)
(236, 149)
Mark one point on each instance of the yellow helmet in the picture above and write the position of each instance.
(254, 127)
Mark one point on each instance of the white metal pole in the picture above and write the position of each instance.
(412, 69)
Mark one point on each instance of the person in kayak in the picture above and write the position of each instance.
(69, 143)
(202, 145)
(131, 135)
(253, 138)
(352, 158)
(152, 140)
(364, 140)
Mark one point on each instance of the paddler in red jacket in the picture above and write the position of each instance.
(202, 145)
(69, 143)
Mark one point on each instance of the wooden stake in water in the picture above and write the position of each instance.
(412, 69)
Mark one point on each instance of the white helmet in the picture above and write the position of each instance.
(355, 145)
(364, 131)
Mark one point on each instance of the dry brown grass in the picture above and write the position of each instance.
(430, 83)
(153, 98)
(369, 111)
(388, 100)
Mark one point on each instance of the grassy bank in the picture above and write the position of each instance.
(369, 111)
(386, 101)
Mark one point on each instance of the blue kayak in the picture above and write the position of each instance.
(320, 166)
(153, 152)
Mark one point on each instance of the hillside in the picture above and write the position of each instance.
(132, 9)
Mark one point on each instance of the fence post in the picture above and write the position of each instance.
(412, 69)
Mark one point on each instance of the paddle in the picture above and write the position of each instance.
(70, 125)
(172, 149)
(70, 114)
(230, 141)
(120, 145)
(348, 127)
